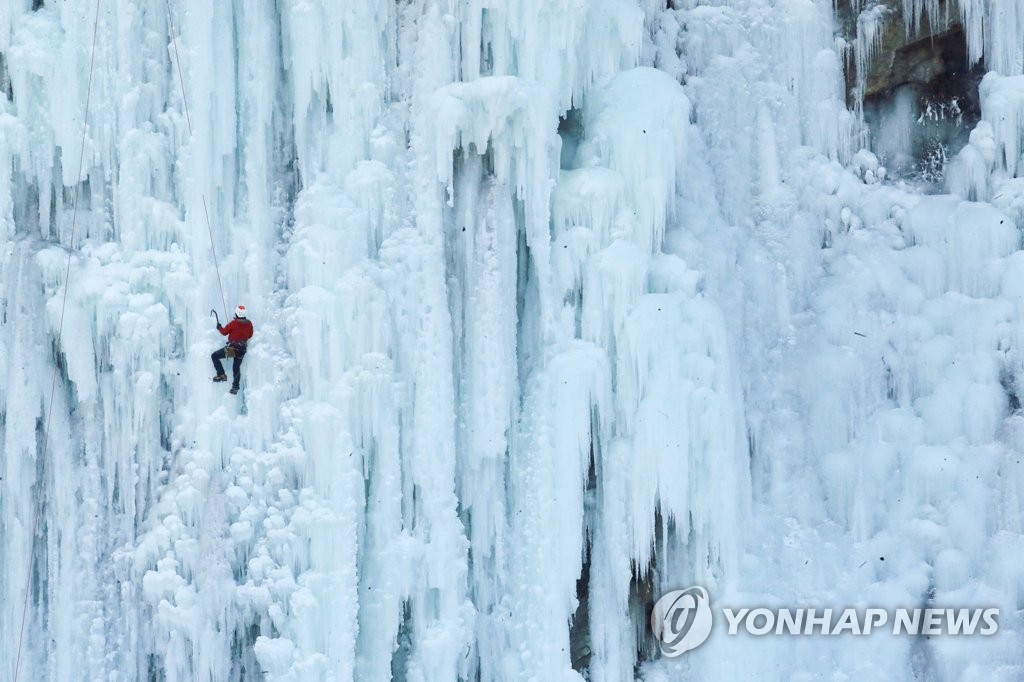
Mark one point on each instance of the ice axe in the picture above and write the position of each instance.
(213, 311)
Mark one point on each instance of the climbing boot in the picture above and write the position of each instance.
(234, 390)
(221, 377)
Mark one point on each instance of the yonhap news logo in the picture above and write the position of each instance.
(682, 620)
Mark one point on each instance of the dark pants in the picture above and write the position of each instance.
(236, 370)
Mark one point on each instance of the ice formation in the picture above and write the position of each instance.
(559, 304)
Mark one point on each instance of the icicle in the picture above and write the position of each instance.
(993, 29)
(1002, 106)
(916, 11)
(870, 26)
(633, 128)
(968, 175)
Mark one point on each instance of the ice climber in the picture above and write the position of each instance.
(238, 331)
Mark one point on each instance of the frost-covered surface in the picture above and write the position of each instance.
(559, 305)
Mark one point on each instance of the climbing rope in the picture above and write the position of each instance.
(60, 331)
(60, 327)
(188, 120)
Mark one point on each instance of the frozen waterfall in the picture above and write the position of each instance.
(559, 304)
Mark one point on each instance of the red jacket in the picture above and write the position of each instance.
(237, 329)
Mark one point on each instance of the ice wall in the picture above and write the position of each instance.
(421, 419)
(559, 305)
(895, 462)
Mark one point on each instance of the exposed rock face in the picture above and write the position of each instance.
(920, 63)
(916, 68)
(904, 54)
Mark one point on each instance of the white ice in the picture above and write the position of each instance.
(559, 304)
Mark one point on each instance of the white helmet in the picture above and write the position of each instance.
(240, 311)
